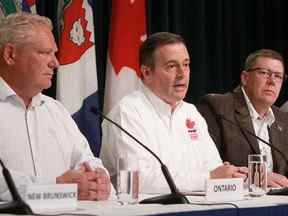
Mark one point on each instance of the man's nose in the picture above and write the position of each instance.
(271, 79)
(54, 63)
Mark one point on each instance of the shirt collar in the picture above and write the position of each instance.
(37, 100)
(7, 92)
(269, 116)
(160, 105)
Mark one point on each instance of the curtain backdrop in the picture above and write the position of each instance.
(219, 35)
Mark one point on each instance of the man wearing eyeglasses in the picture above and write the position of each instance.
(250, 107)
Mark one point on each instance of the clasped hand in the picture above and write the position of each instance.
(92, 184)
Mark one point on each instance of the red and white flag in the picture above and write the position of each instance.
(127, 31)
(76, 77)
(77, 85)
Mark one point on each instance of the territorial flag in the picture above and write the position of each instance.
(77, 75)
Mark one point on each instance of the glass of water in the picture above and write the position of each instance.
(257, 175)
(127, 179)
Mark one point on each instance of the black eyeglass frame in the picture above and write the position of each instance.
(270, 72)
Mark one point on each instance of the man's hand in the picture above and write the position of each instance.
(99, 182)
(276, 180)
(78, 177)
(229, 171)
(92, 184)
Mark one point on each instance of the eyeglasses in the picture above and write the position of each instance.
(267, 73)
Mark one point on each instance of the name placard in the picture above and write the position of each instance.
(51, 197)
(227, 189)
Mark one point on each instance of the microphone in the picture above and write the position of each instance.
(175, 197)
(17, 206)
(274, 148)
(278, 191)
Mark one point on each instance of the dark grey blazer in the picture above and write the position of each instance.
(234, 144)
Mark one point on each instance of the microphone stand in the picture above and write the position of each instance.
(258, 138)
(175, 197)
(17, 206)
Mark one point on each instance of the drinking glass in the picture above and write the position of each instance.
(127, 179)
(257, 175)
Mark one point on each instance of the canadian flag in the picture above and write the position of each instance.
(127, 31)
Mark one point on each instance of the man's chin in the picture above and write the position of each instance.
(178, 98)
(271, 98)
(47, 85)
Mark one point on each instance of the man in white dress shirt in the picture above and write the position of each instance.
(39, 141)
(157, 115)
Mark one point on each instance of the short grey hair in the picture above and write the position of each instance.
(16, 27)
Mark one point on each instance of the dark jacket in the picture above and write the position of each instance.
(235, 144)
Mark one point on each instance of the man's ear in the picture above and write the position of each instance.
(243, 77)
(9, 53)
(145, 70)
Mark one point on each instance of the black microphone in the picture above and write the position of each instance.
(17, 206)
(175, 197)
(278, 191)
(274, 148)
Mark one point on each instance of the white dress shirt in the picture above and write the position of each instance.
(180, 139)
(39, 143)
(261, 125)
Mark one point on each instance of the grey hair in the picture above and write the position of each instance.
(16, 27)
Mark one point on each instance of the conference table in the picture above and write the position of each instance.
(264, 206)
